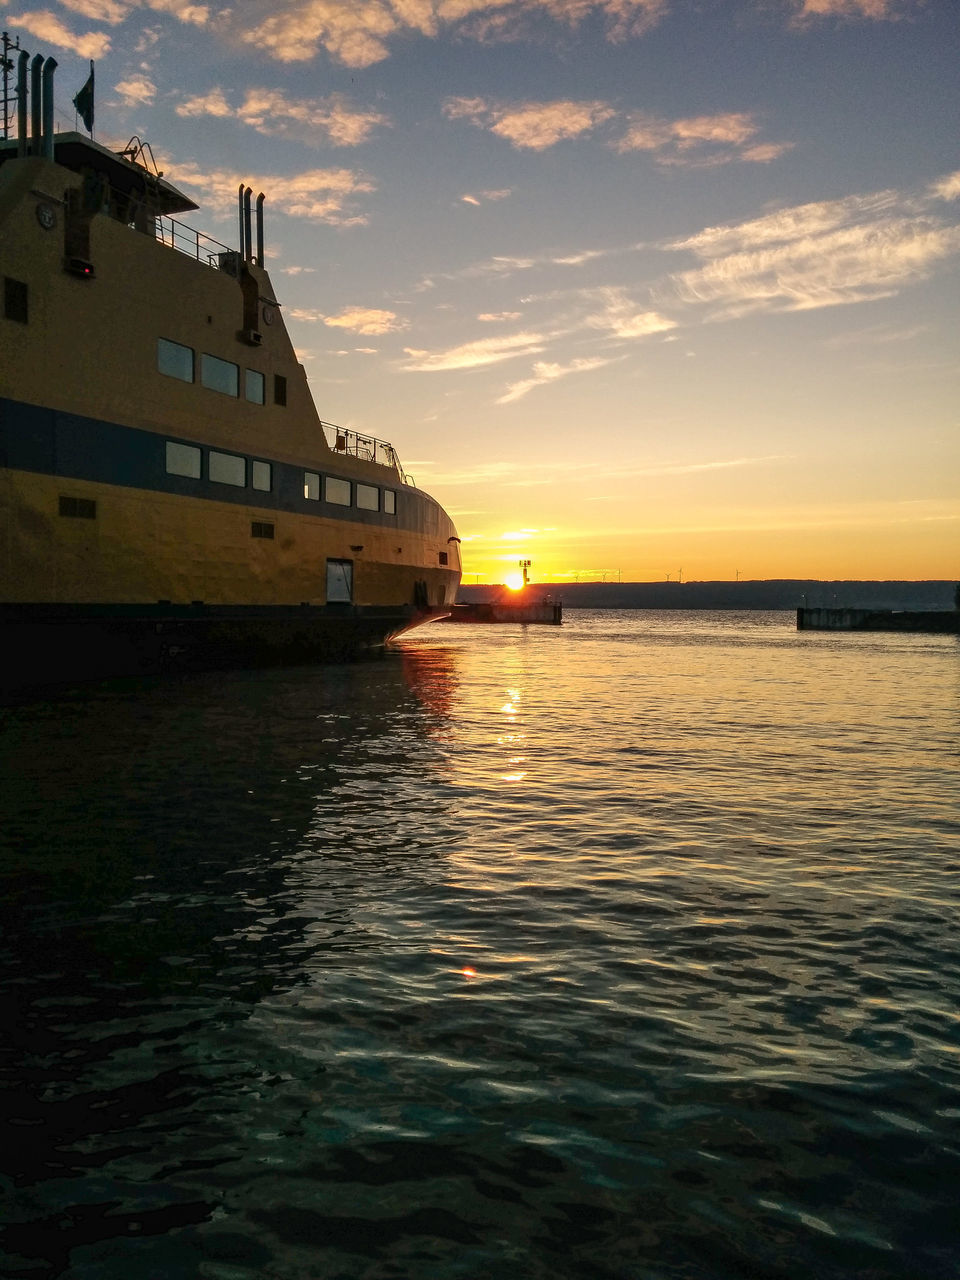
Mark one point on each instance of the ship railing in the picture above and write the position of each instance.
(369, 448)
(196, 244)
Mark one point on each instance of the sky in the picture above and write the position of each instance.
(636, 288)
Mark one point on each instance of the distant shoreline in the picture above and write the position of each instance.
(772, 593)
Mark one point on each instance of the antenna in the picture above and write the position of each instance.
(6, 44)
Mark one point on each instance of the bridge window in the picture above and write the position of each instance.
(337, 491)
(175, 360)
(311, 486)
(389, 502)
(368, 497)
(183, 460)
(255, 384)
(227, 468)
(220, 375)
(261, 476)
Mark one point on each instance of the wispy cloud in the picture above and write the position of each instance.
(700, 141)
(358, 32)
(517, 473)
(185, 10)
(880, 9)
(319, 195)
(49, 28)
(474, 355)
(696, 141)
(481, 197)
(531, 125)
(545, 371)
(502, 265)
(876, 335)
(113, 12)
(330, 120)
(831, 253)
(620, 316)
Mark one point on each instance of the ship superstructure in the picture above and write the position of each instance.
(164, 474)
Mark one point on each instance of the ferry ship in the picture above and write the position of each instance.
(168, 490)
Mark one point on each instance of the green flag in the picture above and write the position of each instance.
(84, 103)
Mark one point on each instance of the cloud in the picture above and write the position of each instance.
(271, 112)
(213, 103)
(877, 335)
(196, 14)
(501, 266)
(497, 317)
(622, 317)
(786, 225)
(48, 28)
(136, 91)
(851, 264)
(113, 12)
(531, 125)
(699, 140)
(319, 195)
(544, 372)
(367, 320)
(517, 473)
(481, 196)
(357, 32)
(879, 9)
(947, 188)
(474, 355)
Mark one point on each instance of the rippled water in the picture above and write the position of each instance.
(627, 949)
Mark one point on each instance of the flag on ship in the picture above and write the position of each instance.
(84, 102)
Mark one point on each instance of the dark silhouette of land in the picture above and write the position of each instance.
(772, 593)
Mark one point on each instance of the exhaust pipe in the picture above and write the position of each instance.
(260, 199)
(247, 229)
(243, 252)
(22, 103)
(36, 104)
(47, 144)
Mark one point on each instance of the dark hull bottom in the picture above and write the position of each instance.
(51, 644)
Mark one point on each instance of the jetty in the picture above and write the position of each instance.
(933, 621)
(546, 611)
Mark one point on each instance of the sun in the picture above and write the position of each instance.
(515, 581)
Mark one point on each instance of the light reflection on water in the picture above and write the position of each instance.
(624, 949)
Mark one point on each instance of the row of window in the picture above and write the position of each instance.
(223, 468)
(231, 468)
(178, 361)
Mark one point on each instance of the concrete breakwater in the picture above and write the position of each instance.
(548, 612)
(940, 621)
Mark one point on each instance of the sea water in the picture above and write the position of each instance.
(623, 949)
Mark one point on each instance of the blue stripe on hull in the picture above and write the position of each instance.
(50, 442)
